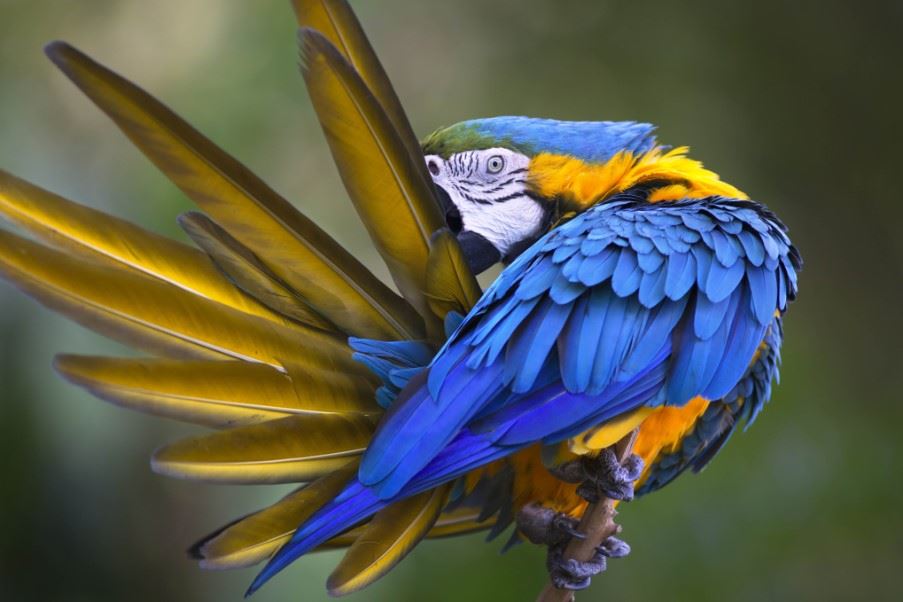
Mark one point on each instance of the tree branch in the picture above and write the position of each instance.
(597, 523)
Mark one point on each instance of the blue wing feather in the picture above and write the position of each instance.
(681, 275)
(627, 304)
(626, 278)
(652, 288)
(722, 281)
(529, 349)
(599, 267)
(721, 419)
(578, 347)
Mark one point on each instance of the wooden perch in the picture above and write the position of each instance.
(597, 523)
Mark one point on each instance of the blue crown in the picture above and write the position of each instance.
(591, 141)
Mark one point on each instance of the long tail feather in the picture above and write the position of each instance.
(257, 536)
(247, 272)
(382, 178)
(292, 449)
(153, 315)
(100, 237)
(337, 22)
(390, 536)
(218, 394)
(354, 504)
(292, 246)
(450, 523)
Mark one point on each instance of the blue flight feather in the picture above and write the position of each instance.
(721, 417)
(529, 349)
(763, 285)
(708, 316)
(577, 348)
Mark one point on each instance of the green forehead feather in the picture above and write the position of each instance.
(465, 136)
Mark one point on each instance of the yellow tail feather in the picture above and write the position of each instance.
(247, 272)
(291, 245)
(391, 534)
(103, 238)
(256, 537)
(219, 394)
(153, 315)
(292, 449)
(382, 178)
(337, 22)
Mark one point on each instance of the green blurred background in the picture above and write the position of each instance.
(796, 103)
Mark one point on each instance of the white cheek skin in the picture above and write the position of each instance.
(503, 224)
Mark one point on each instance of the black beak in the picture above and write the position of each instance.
(479, 253)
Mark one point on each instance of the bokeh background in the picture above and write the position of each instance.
(797, 103)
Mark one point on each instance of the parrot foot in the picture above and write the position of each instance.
(606, 476)
(567, 573)
(545, 526)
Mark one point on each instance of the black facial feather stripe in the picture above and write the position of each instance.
(505, 184)
(513, 195)
(508, 197)
(472, 199)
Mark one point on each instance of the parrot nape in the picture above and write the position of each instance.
(639, 291)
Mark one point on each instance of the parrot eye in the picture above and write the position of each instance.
(495, 164)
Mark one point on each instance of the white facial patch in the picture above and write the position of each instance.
(489, 189)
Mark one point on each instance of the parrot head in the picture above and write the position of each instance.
(487, 177)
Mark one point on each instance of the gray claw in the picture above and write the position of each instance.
(609, 477)
(614, 548)
(545, 526)
(572, 574)
(567, 525)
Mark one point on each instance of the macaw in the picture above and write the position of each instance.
(639, 292)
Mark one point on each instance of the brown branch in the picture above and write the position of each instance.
(597, 523)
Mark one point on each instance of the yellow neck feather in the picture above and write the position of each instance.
(577, 184)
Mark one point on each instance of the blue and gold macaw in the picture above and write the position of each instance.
(640, 292)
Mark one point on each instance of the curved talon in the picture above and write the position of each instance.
(568, 525)
(614, 548)
(545, 526)
(567, 573)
